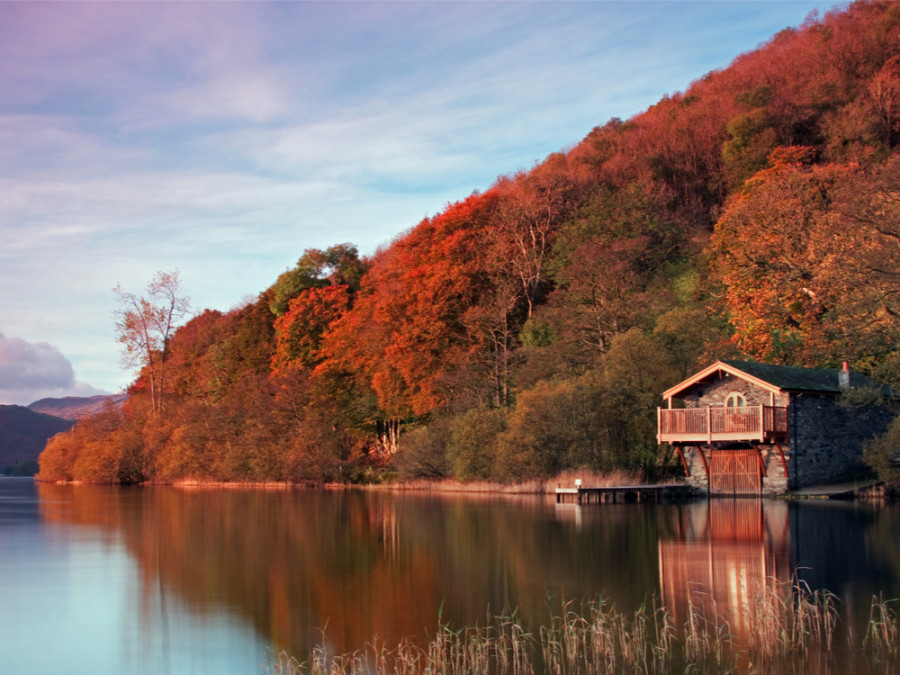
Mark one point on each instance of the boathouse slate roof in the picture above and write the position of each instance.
(791, 378)
(774, 378)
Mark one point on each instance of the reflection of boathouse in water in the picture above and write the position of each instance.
(724, 556)
(750, 428)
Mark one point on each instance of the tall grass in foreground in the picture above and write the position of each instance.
(791, 629)
(882, 632)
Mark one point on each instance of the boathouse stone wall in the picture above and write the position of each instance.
(827, 437)
(714, 393)
(774, 483)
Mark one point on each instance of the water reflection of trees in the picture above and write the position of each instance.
(365, 565)
(290, 562)
(850, 548)
(380, 565)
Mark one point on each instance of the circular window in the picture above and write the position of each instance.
(735, 400)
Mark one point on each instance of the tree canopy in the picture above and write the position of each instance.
(531, 327)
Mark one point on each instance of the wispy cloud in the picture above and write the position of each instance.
(224, 138)
(31, 371)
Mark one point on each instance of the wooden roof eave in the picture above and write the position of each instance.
(719, 366)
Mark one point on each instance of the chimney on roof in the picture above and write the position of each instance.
(844, 377)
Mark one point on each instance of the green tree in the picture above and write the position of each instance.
(751, 137)
(473, 437)
(554, 426)
(883, 455)
(338, 265)
(424, 452)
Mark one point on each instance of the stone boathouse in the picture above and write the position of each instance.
(745, 428)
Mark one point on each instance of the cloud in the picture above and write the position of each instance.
(30, 371)
(224, 138)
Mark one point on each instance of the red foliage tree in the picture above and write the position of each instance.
(299, 331)
(404, 330)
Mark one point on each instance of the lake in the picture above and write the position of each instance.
(167, 580)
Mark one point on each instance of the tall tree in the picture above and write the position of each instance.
(404, 332)
(531, 208)
(774, 248)
(299, 331)
(338, 265)
(146, 324)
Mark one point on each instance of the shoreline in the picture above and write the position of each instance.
(869, 492)
(543, 486)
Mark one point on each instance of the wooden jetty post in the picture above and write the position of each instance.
(621, 494)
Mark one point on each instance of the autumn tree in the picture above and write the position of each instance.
(405, 330)
(145, 325)
(884, 96)
(299, 331)
(808, 257)
(532, 327)
(770, 246)
(338, 265)
(864, 269)
(492, 326)
(531, 208)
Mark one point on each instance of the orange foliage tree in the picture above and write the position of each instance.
(299, 331)
(404, 331)
(772, 246)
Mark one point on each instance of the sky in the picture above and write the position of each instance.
(223, 139)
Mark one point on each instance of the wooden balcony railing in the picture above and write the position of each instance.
(706, 425)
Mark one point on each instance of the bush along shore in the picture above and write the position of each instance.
(791, 628)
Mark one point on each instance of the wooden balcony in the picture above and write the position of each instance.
(708, 425)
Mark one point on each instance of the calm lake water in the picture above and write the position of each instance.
(164, 580)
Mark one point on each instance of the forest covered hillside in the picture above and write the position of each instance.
(23, 434)
(530, 328)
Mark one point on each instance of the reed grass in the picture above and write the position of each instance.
(882, 631)
(789, 628)
(598, 639)
(707, 637)
(790, 618)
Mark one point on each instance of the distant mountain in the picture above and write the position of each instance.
(73, 407)
(23, 434)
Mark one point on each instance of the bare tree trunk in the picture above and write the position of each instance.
(145, 326)
(388, 443)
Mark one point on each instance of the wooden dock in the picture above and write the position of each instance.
(623, 494)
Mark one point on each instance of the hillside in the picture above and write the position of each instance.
(75, 407)
(23, 434)
(530, 328)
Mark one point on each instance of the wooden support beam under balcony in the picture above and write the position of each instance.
(710, 425)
